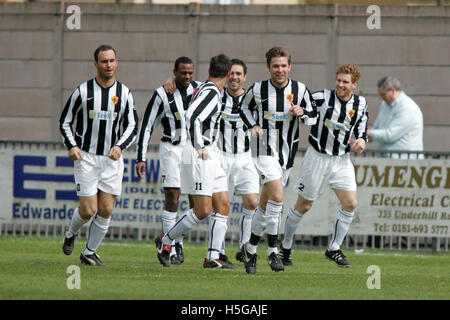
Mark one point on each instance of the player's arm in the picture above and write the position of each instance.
(309, 115)
(400, 124)
(130, 122)
(65, 124)
(152, 116)
(359, 145)
(246, 108)
(360, 131)
(75, 153)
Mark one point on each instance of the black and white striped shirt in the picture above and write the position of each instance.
(99, 113)
(337, 121)
(268, 106)
(203, 115)
(167, 109)
(234, 134)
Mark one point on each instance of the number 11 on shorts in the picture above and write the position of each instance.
(198, 186)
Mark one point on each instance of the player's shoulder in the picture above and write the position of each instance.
(362, 100)
(161, 92)
(122, 85)
(208, 86)
(300, 85)
(207, 91)
(196, 84)
(255, 88)
(321, 94)
(85, 84)
(124, 88)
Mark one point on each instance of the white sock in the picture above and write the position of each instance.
(251, 248)
(217, 229)
(245, 226)
(184, 224)
(222, 248)
(77, 222)
(273, 215)
(290, 226)
(271, 249)
(258, 222)
(97, 232)
(342, 224)
(168, 220)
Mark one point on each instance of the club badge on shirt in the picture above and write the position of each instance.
(290, 97)
(351, 113)
(114, 100)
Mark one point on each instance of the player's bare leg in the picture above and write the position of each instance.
(81, 215)
(98, 229)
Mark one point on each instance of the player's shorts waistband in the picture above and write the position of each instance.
(237, 155)
(325, 155)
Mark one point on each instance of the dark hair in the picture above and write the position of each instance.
(103, 47)
(240, 63)
(219, 66)
(184, 60)
(277, 52)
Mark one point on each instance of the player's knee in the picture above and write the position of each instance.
(105, 210)
(303, 206)
(278, 197)
(350, 206)
(223, 208)
(172, 205)
(87, 211)
(202, 212)
(251, 203)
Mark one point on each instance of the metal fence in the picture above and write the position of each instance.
(402, 243)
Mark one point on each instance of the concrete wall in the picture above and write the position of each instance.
(42, 61)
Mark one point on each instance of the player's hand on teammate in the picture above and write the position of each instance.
(115, 153)
(170, 85)
(140, 169)
(203, 154)
(75, 153)
(358, 145)
(296, 110)
(257, 131)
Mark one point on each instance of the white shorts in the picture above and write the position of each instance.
(170, 161)
(318, 170)
(94, 172)
(241, 172)
(269, 169)
(202, 177)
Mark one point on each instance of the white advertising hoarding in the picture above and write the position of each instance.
(395, 197)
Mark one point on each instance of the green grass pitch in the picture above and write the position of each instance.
(35, 268)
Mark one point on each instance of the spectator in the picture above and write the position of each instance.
(399, 124)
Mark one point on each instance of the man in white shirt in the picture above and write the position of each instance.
(399, 124)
